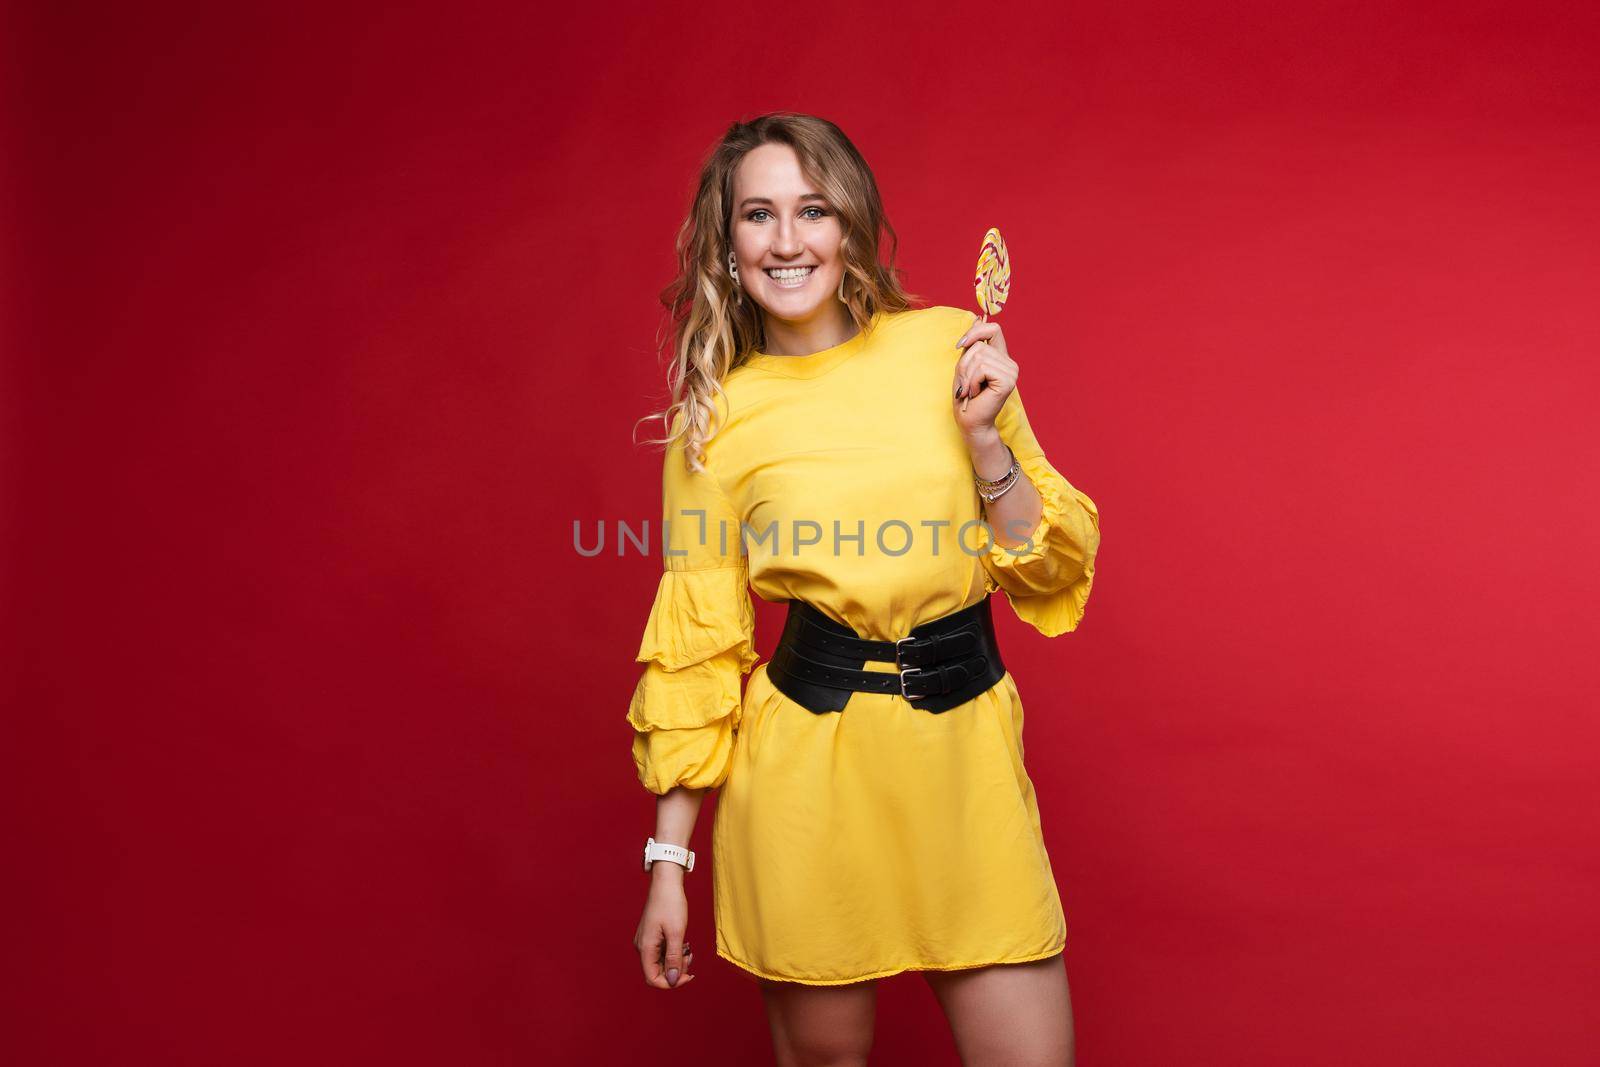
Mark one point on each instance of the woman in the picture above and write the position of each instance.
(875, 815)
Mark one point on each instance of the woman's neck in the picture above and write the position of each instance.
(826, 329)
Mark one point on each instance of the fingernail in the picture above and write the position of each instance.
(672, 976)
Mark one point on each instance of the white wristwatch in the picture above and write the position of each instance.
(656, 850)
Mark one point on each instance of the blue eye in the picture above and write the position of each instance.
(820, 213)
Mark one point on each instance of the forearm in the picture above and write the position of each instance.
(676, 811)
(1016, 514)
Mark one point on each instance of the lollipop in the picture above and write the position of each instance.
(993, 280)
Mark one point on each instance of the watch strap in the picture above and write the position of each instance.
(660, 850)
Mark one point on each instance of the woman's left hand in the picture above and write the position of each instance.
(986, 373)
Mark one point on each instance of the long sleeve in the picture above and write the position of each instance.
(699, 641)
(1048, 584)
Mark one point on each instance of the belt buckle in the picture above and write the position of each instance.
(903, 670)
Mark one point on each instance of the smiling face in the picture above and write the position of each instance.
(786, 237)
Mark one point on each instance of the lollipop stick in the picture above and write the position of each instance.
(967, 398)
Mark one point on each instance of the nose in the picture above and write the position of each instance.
(786, 241)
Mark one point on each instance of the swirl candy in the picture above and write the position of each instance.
(993, 280)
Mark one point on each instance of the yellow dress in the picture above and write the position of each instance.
(855, 844)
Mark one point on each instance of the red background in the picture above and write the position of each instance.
(326, 324)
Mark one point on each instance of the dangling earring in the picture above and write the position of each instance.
(842, 276)
(733, 270)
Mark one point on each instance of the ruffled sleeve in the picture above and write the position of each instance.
(699, 640)
(1048, 577)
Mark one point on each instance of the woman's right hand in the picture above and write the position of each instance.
(663, 952)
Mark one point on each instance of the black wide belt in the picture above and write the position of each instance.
(942, 663)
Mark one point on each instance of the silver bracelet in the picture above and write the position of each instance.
(994, 490)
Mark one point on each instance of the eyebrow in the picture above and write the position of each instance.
(747, 201)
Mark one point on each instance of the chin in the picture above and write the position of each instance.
(804, 304)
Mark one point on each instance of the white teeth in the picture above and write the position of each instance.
(790, 278)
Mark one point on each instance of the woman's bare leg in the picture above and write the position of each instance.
(1011, 1014)
(821, 1026)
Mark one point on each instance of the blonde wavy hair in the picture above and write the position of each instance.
(712, 332)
